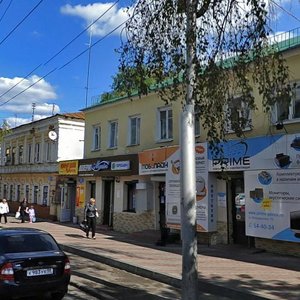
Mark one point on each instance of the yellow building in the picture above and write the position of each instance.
(129, 131)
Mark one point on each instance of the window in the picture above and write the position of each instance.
(96, 137)
(18, 196)
(27, 192)
(29, 153)
(5, 191)
(165, 123)
(48, 151)
(37, 157)
(238, 115)
(284, 112)
(11, 192)
(134, 130)
(35, 194)
(8, 156)
(113, 134)
(21, 150)
(131, 196)
(13, 156)
(45, 195)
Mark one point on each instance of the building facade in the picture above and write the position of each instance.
(30, 156)
(233, 205)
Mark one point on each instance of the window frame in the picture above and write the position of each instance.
(241, 110)
(165, 130)
(96, 136)
(134, 138)
(290, 114)
(113, 134)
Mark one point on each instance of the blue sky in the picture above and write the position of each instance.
(48, 29)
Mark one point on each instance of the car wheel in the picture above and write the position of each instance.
(58, 296)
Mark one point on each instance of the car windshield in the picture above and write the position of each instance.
(27, 243)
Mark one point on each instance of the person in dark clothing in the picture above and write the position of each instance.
(90, 215)
(23, 209)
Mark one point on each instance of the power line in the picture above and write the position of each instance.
(286, 11)
(11, 32)
(30, 86)
(94, 44)
(83, 31)
(4, 13)
(66, 64)
(19, 82)
(76, 37)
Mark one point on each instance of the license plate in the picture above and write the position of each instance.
(39, 272)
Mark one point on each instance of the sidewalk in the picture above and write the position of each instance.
(225, 270)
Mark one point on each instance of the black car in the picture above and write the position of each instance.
(32, 265)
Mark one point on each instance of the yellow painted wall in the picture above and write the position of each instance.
(146, 107)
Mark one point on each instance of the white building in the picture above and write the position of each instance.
(30, 164)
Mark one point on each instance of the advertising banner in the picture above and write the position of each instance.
(273, 204)
(154, 161)
(266, 152)
(205, 187)
(68, 167)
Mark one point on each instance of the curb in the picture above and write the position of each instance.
(204, 285)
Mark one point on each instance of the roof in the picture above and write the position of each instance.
(280, 43)
(76, 115)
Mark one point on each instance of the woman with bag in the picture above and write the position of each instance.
(90, 215)
(4, 210)
(23, 209)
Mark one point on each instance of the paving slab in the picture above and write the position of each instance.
(228, 270)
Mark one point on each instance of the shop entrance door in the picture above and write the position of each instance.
(238, 210)
(162, 213)
(108, 208)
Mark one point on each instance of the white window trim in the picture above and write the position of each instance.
(291, 112)
(94, 146)
(137, 131)
(37, 152)
(228, 125)
(158, 123)
(115, 144)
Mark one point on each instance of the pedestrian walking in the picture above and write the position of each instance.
(90, 215)
(4, 210)
(23, 209)
(31, 213)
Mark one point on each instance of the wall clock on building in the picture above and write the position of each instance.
(52, 135)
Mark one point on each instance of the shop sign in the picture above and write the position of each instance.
(154, 161)
(68, 167)
(273, 204)
(267, 152)
(101, 165)
(205, 192)
(120, 165)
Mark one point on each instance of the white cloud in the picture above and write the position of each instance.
(89, 13)
(41, 94)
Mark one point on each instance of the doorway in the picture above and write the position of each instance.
(108, 205)
(162, 214)
(238, 210)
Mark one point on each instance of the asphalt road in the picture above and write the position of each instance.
(92, 280)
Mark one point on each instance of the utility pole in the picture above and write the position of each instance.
(33, 109)
(188, 170)
(88, 68)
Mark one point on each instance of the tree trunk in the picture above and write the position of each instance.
(188, 173)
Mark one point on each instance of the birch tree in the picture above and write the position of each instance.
(204, 53)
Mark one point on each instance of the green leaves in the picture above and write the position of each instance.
(233, 57)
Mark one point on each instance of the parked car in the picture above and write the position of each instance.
(32, 265)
